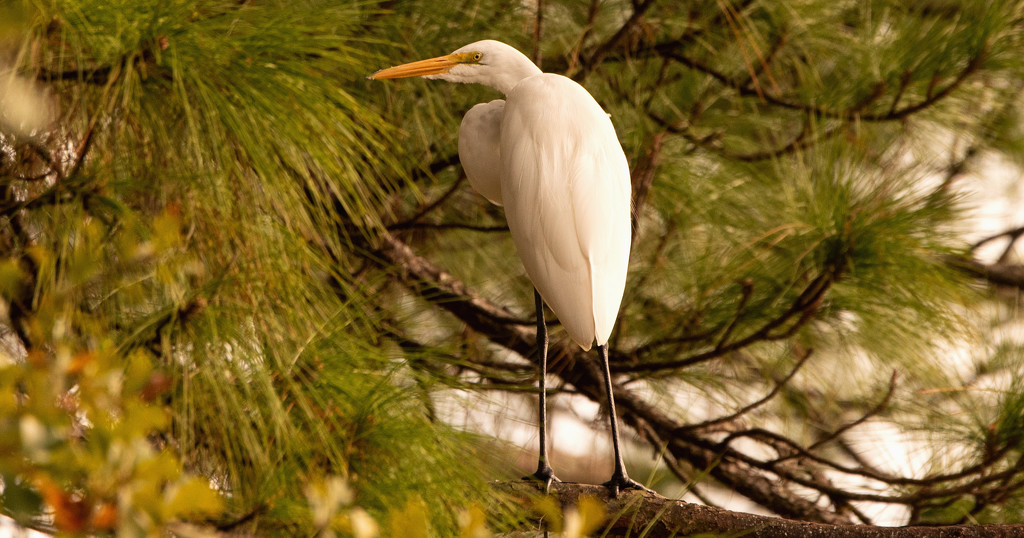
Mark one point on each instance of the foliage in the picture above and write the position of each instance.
(187, 346)
(242, 280)
(800, 181)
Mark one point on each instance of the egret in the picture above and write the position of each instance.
(549, 154)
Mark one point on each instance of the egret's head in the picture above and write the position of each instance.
(487, 62)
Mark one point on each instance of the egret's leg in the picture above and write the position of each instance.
(544, 472)
(619, 478)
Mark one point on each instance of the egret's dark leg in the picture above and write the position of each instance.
(544, 472)
(619, 478)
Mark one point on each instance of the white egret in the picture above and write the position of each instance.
(549, 154)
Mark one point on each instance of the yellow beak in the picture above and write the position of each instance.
(432, 66)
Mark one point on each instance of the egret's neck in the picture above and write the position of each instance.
(512, 75)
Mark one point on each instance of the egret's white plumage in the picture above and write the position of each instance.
(549, 154)
(480, 148)
(566, 193)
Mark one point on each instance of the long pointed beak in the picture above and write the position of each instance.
(432, 66)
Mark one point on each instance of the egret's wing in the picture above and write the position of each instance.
(601, 203)
(479, 148)
(565, 185)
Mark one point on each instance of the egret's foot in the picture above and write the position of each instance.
(545, 475)
(620, 482)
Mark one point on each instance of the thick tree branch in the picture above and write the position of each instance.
(441, 288)
(1002, 274)
(649, 514)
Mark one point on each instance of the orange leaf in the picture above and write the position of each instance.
(69, 514)
(105, 517)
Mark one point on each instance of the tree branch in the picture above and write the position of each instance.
(1002, 274)
(854, 113)
(602, 51)
(802, 358)
(98, 75)
(643, 176)
(574, 367)
(803, 308)
(649, 514)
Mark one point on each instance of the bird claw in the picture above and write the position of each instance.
(545, 475)
(620, 482)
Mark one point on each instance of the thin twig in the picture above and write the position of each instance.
(746, 290)
(852, 113)
(805, 305)
(602, 51)
(801, 360)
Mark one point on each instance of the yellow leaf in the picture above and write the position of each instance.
(141, 420)
(158, 470)
(166, 230)
(194, 497)
(473, 523)
(11, 278)
(551, 511)
(136, 374)
(592, 512)
(585, 518)
(411, 521)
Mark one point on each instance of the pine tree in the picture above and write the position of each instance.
(243, 282)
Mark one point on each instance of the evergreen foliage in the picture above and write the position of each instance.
(239, 277)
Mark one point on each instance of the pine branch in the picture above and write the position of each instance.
(803, 309)
(1013, 235)
(411, 221)
(97, 75)
(649, 514)
(801, 360)
(438, 287)
(643, 175)
(1001, 274)
(747, 475)
(853, 113)
(595, 58)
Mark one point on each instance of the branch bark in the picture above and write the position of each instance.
(1002, 274)
(649, 514)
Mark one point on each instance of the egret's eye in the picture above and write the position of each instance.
(477, 56)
